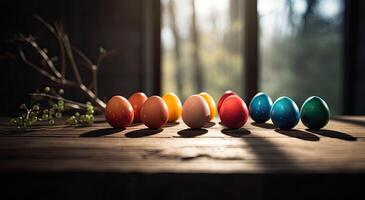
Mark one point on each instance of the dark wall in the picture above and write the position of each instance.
(359, 75)
(112, 24)
(354, 54)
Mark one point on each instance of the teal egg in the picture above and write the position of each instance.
(284, 113)
(260, 107)
(314, 113)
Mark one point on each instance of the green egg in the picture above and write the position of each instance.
(314, 113)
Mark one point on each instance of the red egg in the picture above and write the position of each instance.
(119, 112)
(223, 97)
(154, 112)
(137, 100)
(234, 112)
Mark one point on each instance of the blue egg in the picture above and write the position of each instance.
(285, 113)
(260, 107)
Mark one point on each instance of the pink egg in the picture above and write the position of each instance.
(195, 112)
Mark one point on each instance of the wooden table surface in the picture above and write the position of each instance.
(256, 148)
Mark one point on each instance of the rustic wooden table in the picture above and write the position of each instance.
(257, 157)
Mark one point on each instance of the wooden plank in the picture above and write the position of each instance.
(337, 149)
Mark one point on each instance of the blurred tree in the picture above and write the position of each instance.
(177, 48)
(306, 56)
(198, 74)
(234, 8)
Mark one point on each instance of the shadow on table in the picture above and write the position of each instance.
(264, 125)
(298, 134)
(15, 132)
(143, 133)
(236, 132)
(190, 133)
(136, 124)
(334, 134)
(171, 124)
(101, 132)
(209, 124)
(350, 121)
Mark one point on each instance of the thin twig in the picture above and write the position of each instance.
(92, 67)
(59, 36)
(43, 54)
(46, 24)
(65, 50)
(88, 62)
(58, 98)
(67, 45)
(36, 67)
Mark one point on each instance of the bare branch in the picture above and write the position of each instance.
(67, 52)
(36, 67)
(88, 62)
(43, 54)
(60, 33)
(90, 66)
(46, 24)
(58, 98)
(67, 45)
(93, 97)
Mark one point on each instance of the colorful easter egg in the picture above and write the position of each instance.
(315, 113)
(233, 112)
(223, 97)
(195, 112)
(260, 107)
(154, 112)
(137, 100)
(284, 113)
(119, 112)
(211, 103)
(174, 106)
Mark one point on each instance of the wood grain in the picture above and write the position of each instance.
(339, 148)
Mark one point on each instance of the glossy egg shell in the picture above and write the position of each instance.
(211, 103)
(314, 113)
(234, 112)
(284, 113)
(260, 107)
(119, 112)
(195, 112)
(137, 100)
(223, 97)
(174, 106)
(154, 112)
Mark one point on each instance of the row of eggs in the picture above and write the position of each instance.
(201, 108)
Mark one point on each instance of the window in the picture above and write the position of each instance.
(301, 49)
(201, 41)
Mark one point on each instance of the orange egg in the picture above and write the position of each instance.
(211, 103)
(137, 100)
(154, 112)
(119, 112)
(174, 106)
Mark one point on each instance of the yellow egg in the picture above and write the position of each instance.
(211, 103)
(174, 106)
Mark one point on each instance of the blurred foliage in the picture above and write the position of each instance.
(220, 54)
(306, 61)
(301, 58)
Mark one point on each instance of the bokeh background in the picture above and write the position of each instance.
(300, 48)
